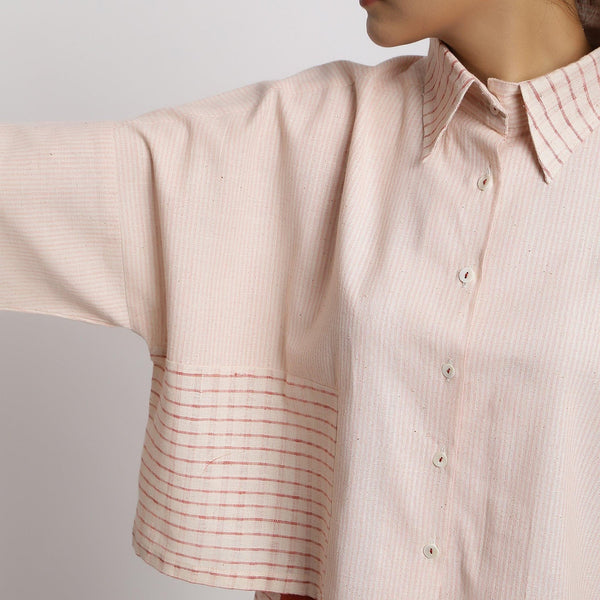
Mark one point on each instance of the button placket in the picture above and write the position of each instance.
(465, 275)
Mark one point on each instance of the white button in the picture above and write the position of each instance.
(440, 460)
(448, 370)
(493, 109)
(466, 275)
(484, 181)
(430, 551)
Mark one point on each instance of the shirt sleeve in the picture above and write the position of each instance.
(60, 237)
(208, 230)
(229, 212)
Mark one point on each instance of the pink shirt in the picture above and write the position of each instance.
(371, 296)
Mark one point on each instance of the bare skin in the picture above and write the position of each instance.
(512, 40)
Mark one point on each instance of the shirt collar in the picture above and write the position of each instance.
(562, 107)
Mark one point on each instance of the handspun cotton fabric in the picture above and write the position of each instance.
(371, 298)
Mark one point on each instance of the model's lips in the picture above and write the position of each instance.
(365, 3)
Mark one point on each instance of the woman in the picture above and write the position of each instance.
(370, 296)
(512, 40)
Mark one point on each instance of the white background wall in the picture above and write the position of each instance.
(74, 396)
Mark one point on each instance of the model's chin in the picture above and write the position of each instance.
(380, 37)
(388, 34)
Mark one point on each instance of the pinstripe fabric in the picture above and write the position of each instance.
(370, 297)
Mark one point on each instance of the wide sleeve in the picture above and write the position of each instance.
(209, 230)
(229, 212)
(60, 235)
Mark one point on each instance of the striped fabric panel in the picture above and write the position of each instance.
(225, 499)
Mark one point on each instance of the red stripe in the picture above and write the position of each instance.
(234, 478)
(176, 566)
